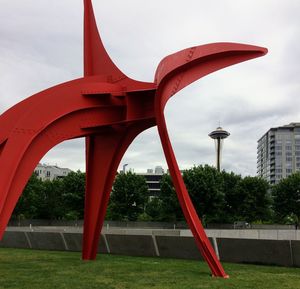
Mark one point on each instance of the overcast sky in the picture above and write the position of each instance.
(41, 45)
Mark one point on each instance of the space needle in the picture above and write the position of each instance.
(219, 135)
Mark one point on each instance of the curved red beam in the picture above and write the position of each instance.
(109, 110)
(173, 74)
(92, 107)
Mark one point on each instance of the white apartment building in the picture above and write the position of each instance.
(47, 172)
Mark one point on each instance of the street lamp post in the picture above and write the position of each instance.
(124, 168)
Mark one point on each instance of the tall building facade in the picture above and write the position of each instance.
(278, 152)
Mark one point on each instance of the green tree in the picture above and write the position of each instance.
(232, 197)
(218, 197)
(251, 200)
(56, 199)
(153, 210)
(73, 192)
(30, 200)
(170, 210)
(205, 186)
(51, 206)
(128, 198)
(286, 196)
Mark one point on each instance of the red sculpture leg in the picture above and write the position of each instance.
(186, 204)
(104, 153)
(100, 151)
(174, 73)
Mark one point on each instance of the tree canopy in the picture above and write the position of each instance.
(218, 197)
(128, 198)
(54, 200)
(205, 186)
(286, 196)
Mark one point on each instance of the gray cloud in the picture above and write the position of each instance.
(41, 45)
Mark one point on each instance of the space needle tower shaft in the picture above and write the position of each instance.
(219, 135)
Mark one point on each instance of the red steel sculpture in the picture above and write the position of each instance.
(109, 109)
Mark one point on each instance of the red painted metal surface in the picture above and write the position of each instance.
(109, 110)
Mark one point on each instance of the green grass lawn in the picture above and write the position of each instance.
(44, 269)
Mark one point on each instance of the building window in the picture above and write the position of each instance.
(288, 162)
(154, 186)
(48, 174)
(153, 178)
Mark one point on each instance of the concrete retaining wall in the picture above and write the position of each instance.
(133, 245)
(178, 247)
(15, 240)
(164, 244)
(269, 252)
(46, 241)
(74, 241)
(295, 249)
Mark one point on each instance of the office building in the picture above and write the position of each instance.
(153, 180)
(278, 153)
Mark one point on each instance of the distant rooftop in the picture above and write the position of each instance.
(290, 126)
(287, 126)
